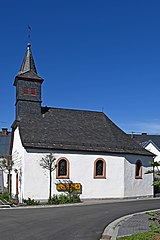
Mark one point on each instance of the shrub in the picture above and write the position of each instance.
(4, 196)
(75, 198)
(30, 201)
(53, 200)
(14, 202)
(65, 198)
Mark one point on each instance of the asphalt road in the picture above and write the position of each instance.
(84, 222)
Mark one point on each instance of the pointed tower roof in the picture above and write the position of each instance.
(28, 62)
(28, 68)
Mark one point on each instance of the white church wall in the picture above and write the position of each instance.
(82, 171)
(36, 179)
(32, 179)
(18, 167)
(138, 187)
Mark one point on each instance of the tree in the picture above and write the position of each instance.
(48, 163)
(6, 164)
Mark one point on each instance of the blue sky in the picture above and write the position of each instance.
(100, 55)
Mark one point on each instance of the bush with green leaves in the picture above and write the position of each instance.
(30, 202)
(53, 200)
(75, 198)
(156, 173)
(4, 196)
(64, 198)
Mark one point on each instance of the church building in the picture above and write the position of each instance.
(91, 152)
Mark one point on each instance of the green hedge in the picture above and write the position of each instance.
(30, 201)
(57, 199)
(64, 198)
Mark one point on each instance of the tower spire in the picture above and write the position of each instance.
(28, 69)
(28, 64)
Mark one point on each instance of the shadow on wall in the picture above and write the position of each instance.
(144, 159)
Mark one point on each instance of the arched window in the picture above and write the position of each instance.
(99, 168)
(62, 170)
(138, 170)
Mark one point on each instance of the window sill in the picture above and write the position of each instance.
(62, 177)
(99, 177)
(138, 177)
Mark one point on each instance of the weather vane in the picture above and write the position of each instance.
(29, 34)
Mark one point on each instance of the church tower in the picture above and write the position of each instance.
(28, 88)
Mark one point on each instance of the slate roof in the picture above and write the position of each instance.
(28, 62)
(5, 144)
(28, 69)
(66, 129)
(144, 139)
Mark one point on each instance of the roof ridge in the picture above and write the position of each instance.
(71, 109)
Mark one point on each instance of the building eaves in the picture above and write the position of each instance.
(29, 75)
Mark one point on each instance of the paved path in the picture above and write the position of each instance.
(127, 225)
(135, 224)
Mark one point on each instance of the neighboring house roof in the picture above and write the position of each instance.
(79, 130)
(5, 144)
(144, 139)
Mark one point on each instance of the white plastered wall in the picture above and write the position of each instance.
(36, 179)
(82, 171)
(18, 167)
(138, 187)
(32, 179)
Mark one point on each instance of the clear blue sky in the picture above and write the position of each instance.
(93, 55)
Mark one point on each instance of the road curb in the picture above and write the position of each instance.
(111, 231)
(5, 206)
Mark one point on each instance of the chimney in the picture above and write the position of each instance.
(4, 131)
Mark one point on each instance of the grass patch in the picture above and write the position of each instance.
(142, 236)
(155, 221)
